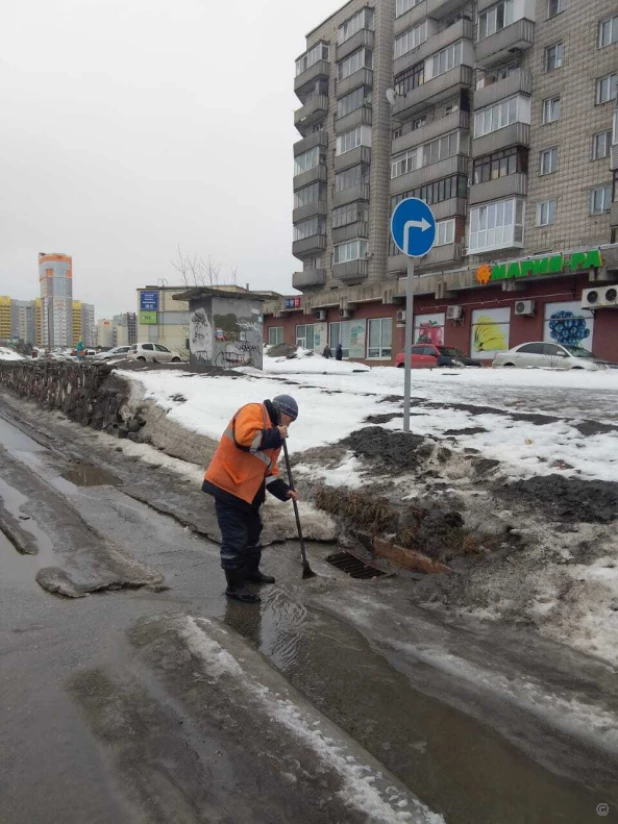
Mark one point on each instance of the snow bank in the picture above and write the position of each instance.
(307, 362)
(9, 354)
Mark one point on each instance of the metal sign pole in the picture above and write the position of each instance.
(407, 385)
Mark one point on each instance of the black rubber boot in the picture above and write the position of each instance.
(252, 566)
(237, 588)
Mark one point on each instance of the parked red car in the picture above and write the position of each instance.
(428, 356)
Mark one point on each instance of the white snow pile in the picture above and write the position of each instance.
(362, 788)
(307, 362)
(9, 354)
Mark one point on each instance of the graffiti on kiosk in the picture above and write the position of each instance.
(201, 337)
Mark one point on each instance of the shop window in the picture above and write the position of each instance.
(275, 335)
(380, 343)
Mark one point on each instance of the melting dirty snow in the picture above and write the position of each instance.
(359, 782)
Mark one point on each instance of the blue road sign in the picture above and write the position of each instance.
(413, 227)
(149, 301)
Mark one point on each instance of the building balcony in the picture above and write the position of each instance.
(364, 37)
(517, 134)
(314, 111)
(432, 92)
(351, 272)
(351, 232)
(443, 125)
(519, 82)
(363, 77)
(613, 160)
(362, 154)
(436, 9)
(308, 278)
(453, 207)
(462, 29)
(359, 117)
(309, 246)
(397, 263)
(505, 43)
(350, 195)
(318, 207)
(442, 256)
(501, 187)
(458, 164)
(613, 214)
(319, 71)
(310, 142)
(315, 175)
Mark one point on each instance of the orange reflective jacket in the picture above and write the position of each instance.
(239, 466)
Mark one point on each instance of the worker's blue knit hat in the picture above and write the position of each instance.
(287, 405)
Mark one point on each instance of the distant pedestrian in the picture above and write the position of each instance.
(339, 352)
(327, 353)
(243, 467)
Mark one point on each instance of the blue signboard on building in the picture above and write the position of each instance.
(149, 301)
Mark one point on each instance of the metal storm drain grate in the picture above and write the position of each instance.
(352, 566)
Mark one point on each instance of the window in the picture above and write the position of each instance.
(160, 348)
(275, 335)
(601, 144)
(551, 110)
(600, 199)
(549, 161)
(308, 194)
(351, 102)
(148, 347)
(615, 197)
(352, 250)
(555, 7)
(361, 59)
(355, 176)
(608, 32)
(351, 213)
(410, 39)
(405, 5)
(436, 192)
(310, 58)
(361, 20)
(308, 336)
(313, 263)
(607, 88)
(447, 59)
(380, 342)
(500, 164)
(615, 129)
(425, 155)
(554, 56)
(340, 333)
(410, 79)
(545, 212)
(491, 118)
(445, 232)
(360, 136)
(497, 225)
(496, 18)
(308, 228)
(307, 160)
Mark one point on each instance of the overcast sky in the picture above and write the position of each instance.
(129, 127)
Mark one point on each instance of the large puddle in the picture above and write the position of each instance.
(454, 763)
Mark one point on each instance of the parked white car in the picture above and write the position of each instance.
(154, 353)
(541, 355)
(116, 352)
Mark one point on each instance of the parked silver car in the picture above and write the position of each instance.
(154, 353)
(116, 352)
(550, 356)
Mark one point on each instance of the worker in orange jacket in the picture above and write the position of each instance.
(243, 467)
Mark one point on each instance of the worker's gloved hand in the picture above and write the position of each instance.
(283, 431)
(293, 495)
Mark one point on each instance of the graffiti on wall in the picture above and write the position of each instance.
(567, 323)
(239, 340)
(201, 336)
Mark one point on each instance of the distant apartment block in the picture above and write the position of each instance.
(56, 283)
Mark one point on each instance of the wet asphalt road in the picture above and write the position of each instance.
(108, 713)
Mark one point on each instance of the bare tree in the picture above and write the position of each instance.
(196, 271)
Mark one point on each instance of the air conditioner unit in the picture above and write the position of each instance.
(345, 313)
(600, 297)
(320, 314)
(527, 308)
(454, 312)
(401, 316)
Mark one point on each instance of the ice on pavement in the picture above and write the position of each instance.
(362, 788)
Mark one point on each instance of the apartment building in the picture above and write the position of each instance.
(84, 326)
(503, 117)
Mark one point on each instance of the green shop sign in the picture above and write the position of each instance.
(553, 265)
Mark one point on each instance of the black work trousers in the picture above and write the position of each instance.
(240, 536)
